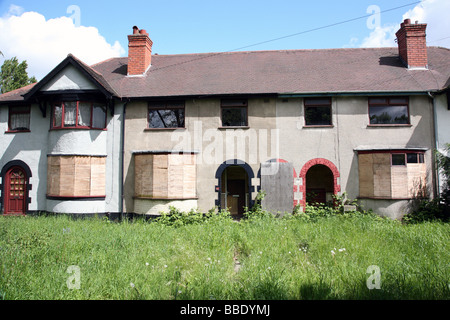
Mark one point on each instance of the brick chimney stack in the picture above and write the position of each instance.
(139, 52)
(412, 44)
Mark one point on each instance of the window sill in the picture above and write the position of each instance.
(164, 129)
(78, 128)
(75, 198)
(389, 125)
(383, 198)
(234, 127)
(166, 199)
(16, 131)
(319, 126)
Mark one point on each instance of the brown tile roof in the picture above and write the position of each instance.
(333, 71)
(16, 95)
(279, 72)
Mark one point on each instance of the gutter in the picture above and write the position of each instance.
(122, 151)
(436, 145)
(356, 93)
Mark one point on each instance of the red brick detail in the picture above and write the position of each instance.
(412, 46)
(139, 53)
(307, 166)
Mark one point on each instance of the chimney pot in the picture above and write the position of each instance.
(407, 21)
(135, 30)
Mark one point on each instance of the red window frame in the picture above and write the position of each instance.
(76, 125)
(11, 112)
(389, 102)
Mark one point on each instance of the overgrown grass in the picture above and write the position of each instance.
(279, 258)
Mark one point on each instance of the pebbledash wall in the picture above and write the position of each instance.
(35, 147)
(280, 124)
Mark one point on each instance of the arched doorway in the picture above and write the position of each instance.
(319, 184)
(15, 187)
(323, 176)
(234, 187)
(15, 191)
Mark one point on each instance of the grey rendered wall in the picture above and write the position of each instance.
(279, 124)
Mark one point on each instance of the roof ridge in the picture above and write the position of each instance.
(275, 50)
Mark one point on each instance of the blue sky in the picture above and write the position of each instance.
(203, 26)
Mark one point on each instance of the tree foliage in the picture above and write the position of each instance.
(13, 75)
(443, 161)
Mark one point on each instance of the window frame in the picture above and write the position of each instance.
(62, 125)
(232, 104)
(167, 106)
(11, 112)
(404, 159)
(420, 157)
(307, 104)
(389, 103)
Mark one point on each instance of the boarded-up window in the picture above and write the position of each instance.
(391, 175)
(165, 176)
(76, 176)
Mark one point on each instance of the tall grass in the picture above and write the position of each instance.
(261, 258)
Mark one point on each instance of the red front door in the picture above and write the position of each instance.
(15, 191)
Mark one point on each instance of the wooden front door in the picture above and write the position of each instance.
(236, 196)
(15, 191)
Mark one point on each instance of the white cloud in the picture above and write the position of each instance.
(45, 43)
(381, 36)
(435, 14)
(15, 10)
(432, 12)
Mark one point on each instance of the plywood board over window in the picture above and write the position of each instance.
(392, 175)
(381, 174)
(366, 175)
(417, 175)
(165, 176)
(76, 176)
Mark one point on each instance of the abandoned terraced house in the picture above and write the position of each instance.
(138, 134)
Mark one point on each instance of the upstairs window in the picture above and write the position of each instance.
(79, 114)
(19, 119)
(318, 112)
(234, 113)
(389, 111)
(165, 114)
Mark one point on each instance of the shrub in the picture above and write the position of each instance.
(331, 208)
(257, 211)
(177, 218)
(427, 210)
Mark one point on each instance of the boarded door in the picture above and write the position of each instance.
(277, 181)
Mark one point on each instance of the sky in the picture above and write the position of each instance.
(44, 32)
